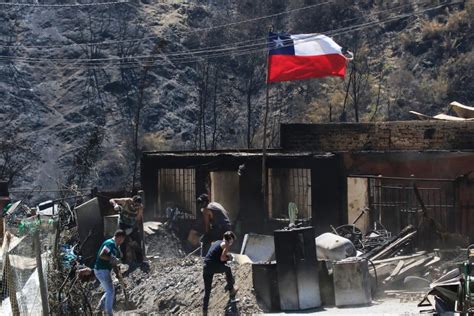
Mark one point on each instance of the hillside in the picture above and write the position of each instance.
(82, 86)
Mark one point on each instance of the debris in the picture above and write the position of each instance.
(194, 238)
(90, 227)
(164, 243)
(111, 224)
(415, 282)
(394, 246)
(351, 282)
(259, 248)
(330, 246)
(298, 284)
(151, 227)
(462, 110)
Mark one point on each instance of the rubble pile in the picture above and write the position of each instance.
(171, 282)
(162, 242)
(176, 286)
(397, 266)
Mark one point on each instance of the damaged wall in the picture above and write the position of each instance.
(327, 184)
(400, 135)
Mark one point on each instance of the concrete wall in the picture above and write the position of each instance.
(357, 199)
(402, 135)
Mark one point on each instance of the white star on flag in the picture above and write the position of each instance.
(278, 42)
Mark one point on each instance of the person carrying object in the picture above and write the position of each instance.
(131, 218)
(216, 222)
(215, 262)
(107, 259)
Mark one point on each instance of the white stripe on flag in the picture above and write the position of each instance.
(314, 45)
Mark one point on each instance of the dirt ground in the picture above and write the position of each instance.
(172, 283)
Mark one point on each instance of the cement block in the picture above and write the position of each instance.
(259, 248)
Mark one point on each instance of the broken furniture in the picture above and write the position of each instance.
(352, 282)
(330, 246)
(259, 248)
(265, 283)
(297, 274)
(90, 227)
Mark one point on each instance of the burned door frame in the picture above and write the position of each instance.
(388, 194)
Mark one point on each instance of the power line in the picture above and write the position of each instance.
(211, 52)
(182, 58)
(143, 39)
(198, 30)
(37, 5)
(193, 53)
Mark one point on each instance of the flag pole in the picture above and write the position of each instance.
(264, 145)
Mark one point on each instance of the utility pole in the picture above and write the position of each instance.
(39, 268)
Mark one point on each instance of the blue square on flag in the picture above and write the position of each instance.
(280, 44)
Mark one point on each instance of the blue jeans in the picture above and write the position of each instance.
(107, 301)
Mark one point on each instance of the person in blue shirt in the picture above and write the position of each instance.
(215, 262)
(107, 258)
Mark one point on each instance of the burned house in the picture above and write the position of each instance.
(334, 173)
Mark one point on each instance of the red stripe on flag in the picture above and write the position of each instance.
(290, 67)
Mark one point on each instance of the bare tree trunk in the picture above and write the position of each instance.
(249, 110)
(214, 108)
(377, 104)
(330, 112)
(204, 105)
(343, 117)
(355, 93)
(140, 104)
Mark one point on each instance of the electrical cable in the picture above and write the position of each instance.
(232, 48)
(197, 30)
(37, 5)
(240, 50)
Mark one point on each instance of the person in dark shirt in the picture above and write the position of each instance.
(215, 262)
(216, 222)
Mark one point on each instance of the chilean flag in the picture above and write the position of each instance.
(302, 56)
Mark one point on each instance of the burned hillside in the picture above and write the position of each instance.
(202, 84)
(223, 157)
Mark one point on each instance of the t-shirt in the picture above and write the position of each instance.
(128, 215)
(110, 248)
(220, 219)
(213, 256)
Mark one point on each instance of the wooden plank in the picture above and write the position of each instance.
(395, 271)
(419, 253)
(393, 245)
(412, 268)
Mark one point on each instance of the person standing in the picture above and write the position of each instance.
(131, 218)
(215, 262)
(107, 258)
(216, 222)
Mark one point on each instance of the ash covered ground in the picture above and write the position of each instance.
(172, 283)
